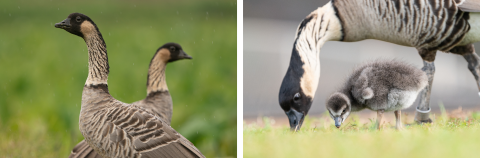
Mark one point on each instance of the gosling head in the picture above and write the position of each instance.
(339, 107)
(78, 24)
(170, 52)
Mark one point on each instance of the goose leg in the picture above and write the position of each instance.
(474, 66)
(379, 118)
(398, 117)
(423, 109)
(468, 52)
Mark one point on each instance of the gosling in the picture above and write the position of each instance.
(381, 85)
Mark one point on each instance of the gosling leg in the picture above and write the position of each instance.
(398, 117)
(379, 118)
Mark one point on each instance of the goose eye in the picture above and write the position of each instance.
(296, 97)
(78, 19)
(172, 49)
(343, 111)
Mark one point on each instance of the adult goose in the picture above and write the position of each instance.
(428, 25)
(113, 128)
(380, 85)
(158, 100)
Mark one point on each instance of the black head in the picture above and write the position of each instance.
(295, 96)
(295, 104)
(78, 24)
(339, 107)
(173, 52)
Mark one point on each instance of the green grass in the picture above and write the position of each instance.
(43, 69)
(444, 138)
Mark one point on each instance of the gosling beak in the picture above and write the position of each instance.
(338, 121)
(64, 24)
(295, 118)
(184, 55)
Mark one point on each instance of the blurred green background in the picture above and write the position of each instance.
(43, 69)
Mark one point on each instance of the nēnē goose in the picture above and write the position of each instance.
(113, 128)
(158, 100)
(381, 85)
(428, 25)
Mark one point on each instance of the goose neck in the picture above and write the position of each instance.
(156, 77)
(320, 26)
(98, 67)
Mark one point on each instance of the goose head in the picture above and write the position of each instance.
(78, 24)
(295, 97)
(339, 107)
(171, 52)
(296, 107)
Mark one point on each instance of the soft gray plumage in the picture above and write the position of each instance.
(113, 128)
(381, 85)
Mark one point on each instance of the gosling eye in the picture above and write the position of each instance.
(296, 97)
(343, 111)
(79, 19)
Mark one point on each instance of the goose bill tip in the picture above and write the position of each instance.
(188, 57)
(62, 26)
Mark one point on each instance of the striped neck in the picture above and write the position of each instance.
(320, 26)
(156, 81)
(98, 67)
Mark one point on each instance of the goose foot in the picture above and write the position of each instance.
(422, 118)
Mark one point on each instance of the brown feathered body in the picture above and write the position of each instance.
(116, 129)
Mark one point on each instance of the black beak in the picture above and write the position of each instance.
(295, 118)
(338, 121)
(64, 24)
(184, 55)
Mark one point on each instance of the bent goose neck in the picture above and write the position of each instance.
(320, 26)
(98, 67)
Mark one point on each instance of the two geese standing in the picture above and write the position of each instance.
(428, 25)
(115, 129)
